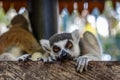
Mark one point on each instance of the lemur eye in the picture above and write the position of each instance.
(56, 49)
(69, 45)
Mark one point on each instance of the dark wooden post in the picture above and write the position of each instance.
(43, 16)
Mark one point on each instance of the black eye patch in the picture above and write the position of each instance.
(56, 49)
(69, 45)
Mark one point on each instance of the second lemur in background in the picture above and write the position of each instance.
(18, 40)
(71, 46)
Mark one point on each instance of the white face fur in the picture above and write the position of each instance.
(67, 48)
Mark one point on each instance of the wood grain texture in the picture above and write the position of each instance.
(58, 71)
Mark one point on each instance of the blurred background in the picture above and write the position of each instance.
(101, 17)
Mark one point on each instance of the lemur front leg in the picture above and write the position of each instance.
(37, 56)
(47, 58)
(26, 57)
(82, 61)
(91, 51)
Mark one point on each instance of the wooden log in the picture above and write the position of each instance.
(58, 71)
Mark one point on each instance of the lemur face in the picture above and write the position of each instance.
(63, 45)
(65, 49)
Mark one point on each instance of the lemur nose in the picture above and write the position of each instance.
(63, 54)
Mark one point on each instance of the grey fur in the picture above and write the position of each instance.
(59, 37)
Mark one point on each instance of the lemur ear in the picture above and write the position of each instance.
(76, 35)
(45, 45)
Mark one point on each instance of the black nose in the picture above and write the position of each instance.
(64, 54)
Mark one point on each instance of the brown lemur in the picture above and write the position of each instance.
(18, 40)
(73, 46)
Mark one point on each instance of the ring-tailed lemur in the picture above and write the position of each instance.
(71, 46)
(18, 40)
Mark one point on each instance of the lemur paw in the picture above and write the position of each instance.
(47, 59)
(82, 63)
(26, 57)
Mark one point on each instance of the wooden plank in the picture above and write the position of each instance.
(58, 71)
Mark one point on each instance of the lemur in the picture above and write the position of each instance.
(19, 40)
(73, 46)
